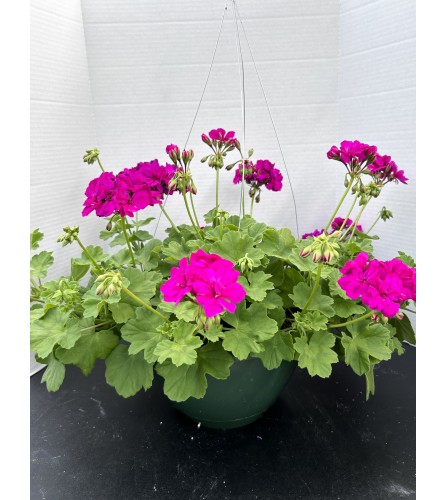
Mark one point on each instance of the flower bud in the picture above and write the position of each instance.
(317, 255)
(375, 318)
(110, 284)
(205, 138)
(70, 234)
(91, 155)
(400, 315)
(305, 252)
(249, 153)
(245, 263)
(385, 214)
(173, 152)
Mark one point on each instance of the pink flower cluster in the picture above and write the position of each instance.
(336, 225)
(356, 155)
(381, 285)
(261, 173)
(129, 191)
(384, 170)
(352, 152)
(210, 279)
(220, 138)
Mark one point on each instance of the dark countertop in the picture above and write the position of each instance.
(321, 440)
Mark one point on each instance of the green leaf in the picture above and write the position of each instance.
(148, 256)
(334, 287)
(370, 385)
(92, 303)
(256, 231)
(404, 329)
(276, 269)
(184, 310)
(277, 349)
(119, 240)
(365, 341)
(128, 374)
(310, 321)
(40, 263)
(96, 253)
(322, 303)
(143, 222)
(142, 283)
(346, 308)
(317, 354)
(406, 259)
(182, 349)
(54, 374)
(176, 251)
(210, 216)
(78, 271)
(273, 300)
(214, 333)
(185, 381)
(122, 312)
(35, 237)
(141, 235)
(257, 286)
(121, 258)
(235, 245)
(55, 328)
(90, 346)
(250, 327)
(291, 278)
(357, 246)
(36, 313)
(278, 243)
(143, 334)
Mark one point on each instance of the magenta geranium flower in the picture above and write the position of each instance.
(179, 284)
(338, 222)
(101, 194)
(316, 232)
(381, 285)
(384, 170)
(211, 280)
(352, 153)
(220, 139)
(261, 173)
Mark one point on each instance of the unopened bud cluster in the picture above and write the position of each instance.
(182, 181)
(323, 248)
(245, 263)
(205, 323)
(110, 283)
(91, 155)
(385, 214)
(70, 234)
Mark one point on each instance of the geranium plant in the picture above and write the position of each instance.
(221, 287)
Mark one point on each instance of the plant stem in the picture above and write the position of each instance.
(190, 214)
(314, 290)
(87, 253)
(35, 284)
(339, 204)
(124, 230)
(217, 189)
(357, 219)
(96, 326)
(409, 310)
(365, 316)
(35, 299)
(168, 218)
(251, 205)
(193, 208)
(144, 304)
(100, 164)
(349, 212)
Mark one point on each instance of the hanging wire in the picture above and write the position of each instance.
(243, 107)
(270, 115)
(200, 100)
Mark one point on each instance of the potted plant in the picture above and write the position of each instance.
(222, 309)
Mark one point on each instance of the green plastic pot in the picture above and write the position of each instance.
(240, 399)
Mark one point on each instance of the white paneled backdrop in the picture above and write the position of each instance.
(127, 76)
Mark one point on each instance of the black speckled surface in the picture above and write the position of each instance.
(321, 440)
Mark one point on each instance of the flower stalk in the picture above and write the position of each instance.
(356, 320)
(143, 304)
(339, 204)
(124, 230)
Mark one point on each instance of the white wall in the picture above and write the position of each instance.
(377, 104)
(148, 65)
(62, 126)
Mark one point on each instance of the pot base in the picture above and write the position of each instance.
(240, 399)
